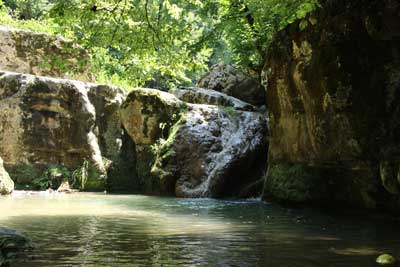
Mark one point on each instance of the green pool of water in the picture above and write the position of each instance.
(132, 230)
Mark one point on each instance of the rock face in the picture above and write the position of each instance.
(148, 141)
(6, 184)
(198, 150)
(226, 79)
(12, 245)
(147, 115)
(42, 54)
(333, 90)
(196, 95)
(47, 121)
(213, 152)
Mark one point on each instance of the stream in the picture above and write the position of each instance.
(96, 229)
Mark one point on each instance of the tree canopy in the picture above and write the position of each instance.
(163, 43)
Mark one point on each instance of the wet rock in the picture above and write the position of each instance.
(227, 79)
(386, 259)
(388, 173)
(196, 95)
(334, 137)
(6, 184)
(12, 245)
(40, 54)
(48, 121)
(222, 165)
(65, 187)
(198, 150)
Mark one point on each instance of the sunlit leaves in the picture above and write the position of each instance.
(171, 41)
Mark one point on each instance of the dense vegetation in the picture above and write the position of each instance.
(160, 43)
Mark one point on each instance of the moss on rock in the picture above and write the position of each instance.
(149, 116)
(164, 166)
(295, 183)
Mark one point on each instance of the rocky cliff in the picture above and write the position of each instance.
(42, 54)
(6, 184)
(47, 121)
(229, 80)
(333, 93)
(196, 150)
(98, 137)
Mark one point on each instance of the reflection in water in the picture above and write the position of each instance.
(125, 230)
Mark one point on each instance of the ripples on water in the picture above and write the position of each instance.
(123, 230)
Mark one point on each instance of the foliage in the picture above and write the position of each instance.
(6, 18)
(230, 111)
(80, 176)
(27, 9)
(161, 43)
(138, 40)
(23, 175)
(248, 26)
(55, 174)
(52, 177)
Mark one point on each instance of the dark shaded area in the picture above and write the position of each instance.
(333, 96)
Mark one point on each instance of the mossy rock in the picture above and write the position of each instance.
(95, 184)
(145, 110)
(164, 166)
(386, 259)
(148, 182)
(12, 245)
(149, 117)
(295, 183)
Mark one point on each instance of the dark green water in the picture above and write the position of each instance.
(125, 230)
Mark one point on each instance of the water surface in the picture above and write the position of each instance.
(99, 230)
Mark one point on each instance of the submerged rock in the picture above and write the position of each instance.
(6, 184)
(197, 150)
(333, 82)
(385, 259)
(12, 245)
(65, 187)
(47, 121)
(227, 79)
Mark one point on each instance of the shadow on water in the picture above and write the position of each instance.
(114, 230)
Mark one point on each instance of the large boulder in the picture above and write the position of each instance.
(12, 245)
(42, 54)
(6, 184)
(197, 150)
(212, 152)
(146, 110)
(333, 92)
(147, 115)
(227, 79)
(48, 121)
